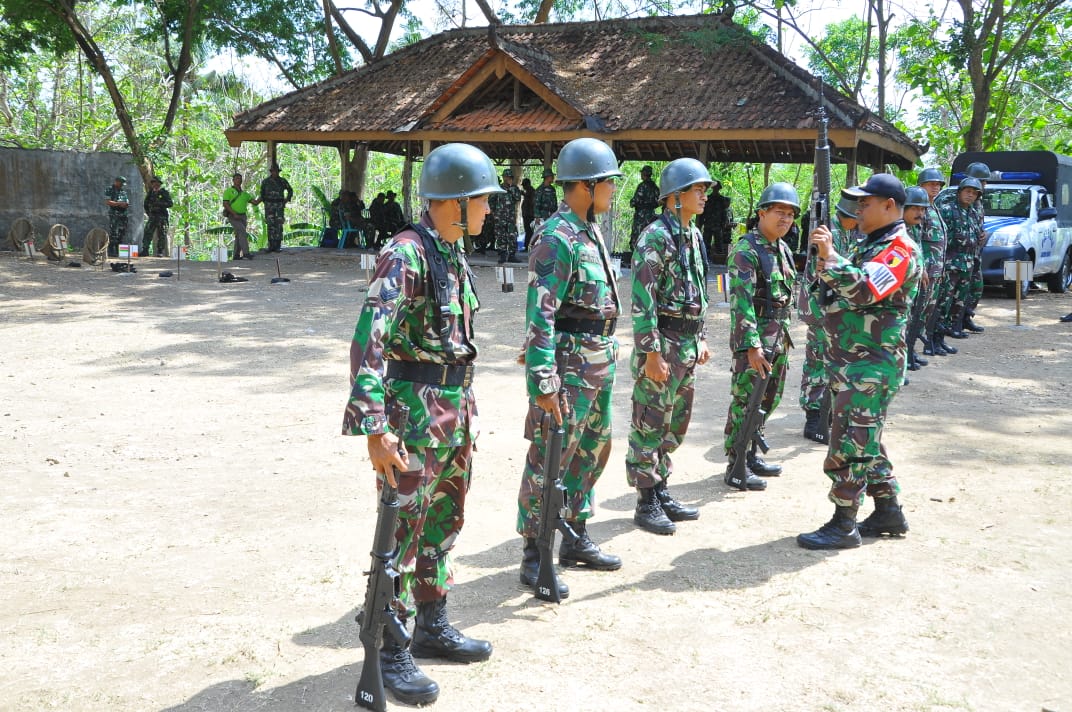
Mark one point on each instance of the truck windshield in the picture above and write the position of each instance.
(1007, 202)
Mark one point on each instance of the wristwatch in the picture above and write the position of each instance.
(548, 386)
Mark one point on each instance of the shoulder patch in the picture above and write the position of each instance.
(887, 270)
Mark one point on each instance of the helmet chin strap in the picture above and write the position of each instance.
(463, 203)
(591, 216)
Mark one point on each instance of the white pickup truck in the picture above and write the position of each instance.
(1027, 205)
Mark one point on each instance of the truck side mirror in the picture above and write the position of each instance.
(1047, 214)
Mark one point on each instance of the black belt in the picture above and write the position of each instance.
(435, 373)
(681, 326)
(597, 327)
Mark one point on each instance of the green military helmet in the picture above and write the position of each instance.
(847, 207)
(917, 196)
(682, 173)
(457, 170)
(586, 159)
(780, 193)
(930, 175)
(970, 182)
(978, 170)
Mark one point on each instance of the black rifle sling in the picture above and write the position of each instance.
(681, 247)
(439, 288)
(766, 269)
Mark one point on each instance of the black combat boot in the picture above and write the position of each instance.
(403, 678)
(502, 257)
(513, 258)
(957, 321)
(585, 552)
(435, 637)
(751, 481)
(649, 514)
(886, 519)
(813, 428)
(971, 326)
(675, 511)
(928, 346)
(839, 533)
(913, 365)
(939, 343)
(530, 568)
(758, 466)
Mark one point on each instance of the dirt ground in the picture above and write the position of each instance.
(185, 529)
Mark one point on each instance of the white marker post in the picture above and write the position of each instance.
(1018, 272)
(506, 278)
(368, 263)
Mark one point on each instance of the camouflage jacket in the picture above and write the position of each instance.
(397, 321)
(964, 231)
(546, 202)
(873, 291)
(717, 217)
(751, 325)
(119, 195)
(644, 201)
(156, 204)
(569, 276)
(276, 190)
(668, 279)
(504, 206)
(933, 244)
(844, 243)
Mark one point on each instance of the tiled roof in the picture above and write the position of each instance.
(672, 81)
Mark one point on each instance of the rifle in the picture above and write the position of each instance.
(553, 510)
(380, 616)
(754, 415)
(820, 197)
(823, 435)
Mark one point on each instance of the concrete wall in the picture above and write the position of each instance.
(67, 187)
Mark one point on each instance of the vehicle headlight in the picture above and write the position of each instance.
(1002, 238)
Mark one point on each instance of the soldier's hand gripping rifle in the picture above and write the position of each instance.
(380, 616)
(749, 430)
(553, 510)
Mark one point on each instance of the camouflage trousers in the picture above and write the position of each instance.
(661, 416)
(975, 284)
(856, 459)
(741, 383)
(273, 219)
(955, 294)
(813, 378)
(586, 449)
(117, 232)
(431, 513)
(155, 232)
(505, 238)
(922, 308)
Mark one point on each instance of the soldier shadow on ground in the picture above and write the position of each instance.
(332, 691)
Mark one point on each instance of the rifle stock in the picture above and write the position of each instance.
(380, 616)
(823, 435)
(553, 510)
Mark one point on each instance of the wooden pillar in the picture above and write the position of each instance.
(407, 183)
(270, 147)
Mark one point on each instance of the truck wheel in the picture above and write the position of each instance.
(1059, 281)
(1010, 289)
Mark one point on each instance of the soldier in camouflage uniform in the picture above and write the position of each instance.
(964, 232)
(504, 206)
(981, 172)
(156, 204)
(644, 202)
(570, 349)
(118, 201)
(406, 350)
(934, 250)
(275, 194)
(546, 201)
(717, 223)
(761, 273)
(813, 379)
(669, 306)
(930, 238)
(873, 292)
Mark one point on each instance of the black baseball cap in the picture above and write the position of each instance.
(883, 185)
